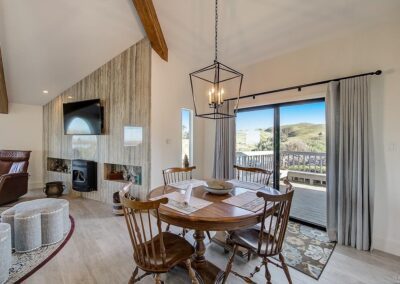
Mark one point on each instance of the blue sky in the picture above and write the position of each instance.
(310, 113)
(186, 118)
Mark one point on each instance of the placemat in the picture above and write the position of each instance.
(175, 202)
(247, 200)
(246, 184)
(184, 184)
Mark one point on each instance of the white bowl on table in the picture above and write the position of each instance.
(218, 187)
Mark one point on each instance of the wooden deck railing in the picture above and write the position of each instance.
(290, 160)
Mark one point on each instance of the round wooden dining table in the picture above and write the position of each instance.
(218, 216)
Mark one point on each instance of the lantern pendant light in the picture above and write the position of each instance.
(216, 88)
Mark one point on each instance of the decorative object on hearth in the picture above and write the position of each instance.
(214, 85)
(115, 175)
(117, 206)
(186, 161)
(130, 174)
(123, 173)
(54, 189)
(58, 165)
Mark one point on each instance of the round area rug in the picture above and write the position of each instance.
(26, 264)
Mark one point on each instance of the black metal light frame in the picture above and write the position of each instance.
(217, 66)
(217, 113)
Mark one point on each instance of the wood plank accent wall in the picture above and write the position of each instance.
(123, 86)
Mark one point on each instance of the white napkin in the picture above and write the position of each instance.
(188, 194)
(125, 190)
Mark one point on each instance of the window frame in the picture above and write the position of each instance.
(277, 128)
(191, 134)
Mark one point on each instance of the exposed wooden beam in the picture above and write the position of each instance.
(3, 90)
(148, 16)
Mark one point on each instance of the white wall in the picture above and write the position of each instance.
(365, 51)
(21, 129)
(170, 91)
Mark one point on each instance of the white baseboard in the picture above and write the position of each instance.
(389, 246)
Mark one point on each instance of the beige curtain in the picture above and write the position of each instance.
(348, 182)
(225, 143)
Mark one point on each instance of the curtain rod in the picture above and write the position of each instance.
(299, 87)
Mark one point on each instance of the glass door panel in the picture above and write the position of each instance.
(255, 138)
(303, 159)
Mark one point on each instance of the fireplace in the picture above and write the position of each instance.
(84, 175)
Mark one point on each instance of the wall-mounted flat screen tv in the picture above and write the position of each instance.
(83, 118)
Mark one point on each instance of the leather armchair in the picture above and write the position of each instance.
(13, 185)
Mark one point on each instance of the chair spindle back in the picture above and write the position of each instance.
(173, 175)
(148, 247)
(273, 230)
(256, 175)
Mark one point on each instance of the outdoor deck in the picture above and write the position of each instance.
(306, 171)
(309, 204)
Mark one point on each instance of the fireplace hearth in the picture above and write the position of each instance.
(84, 175)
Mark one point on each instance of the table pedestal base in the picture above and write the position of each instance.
(208, 272)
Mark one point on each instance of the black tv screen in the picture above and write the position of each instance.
(83, 118)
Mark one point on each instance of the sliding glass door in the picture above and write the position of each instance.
(288, 139)
(255, 138)
(303, 159)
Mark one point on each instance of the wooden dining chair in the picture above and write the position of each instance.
(267, 241)
(176, 174)
(254, 175)
(173, 175)
(289, 187)
(154, 252)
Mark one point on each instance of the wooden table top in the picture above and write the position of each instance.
(219, 216)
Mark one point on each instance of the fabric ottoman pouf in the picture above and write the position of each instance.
(37, 222)
(5, 251)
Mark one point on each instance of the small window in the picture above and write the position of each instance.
(133, 136)
(187, 136)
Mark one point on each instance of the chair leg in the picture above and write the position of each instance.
(158, 279)
(229, 264)
(248, 255)
(168, 227)
(191, 272)
(267, 273)
(208, 235)
(285, 268)
(134, 274)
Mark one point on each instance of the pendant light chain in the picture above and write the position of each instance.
(216, 93)
(216, 30)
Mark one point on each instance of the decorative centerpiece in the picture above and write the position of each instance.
(219, 187)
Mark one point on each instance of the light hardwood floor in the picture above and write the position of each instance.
(100, 252)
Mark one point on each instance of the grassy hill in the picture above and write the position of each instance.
(304, 137)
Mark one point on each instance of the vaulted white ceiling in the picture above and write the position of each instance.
(52, 44)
